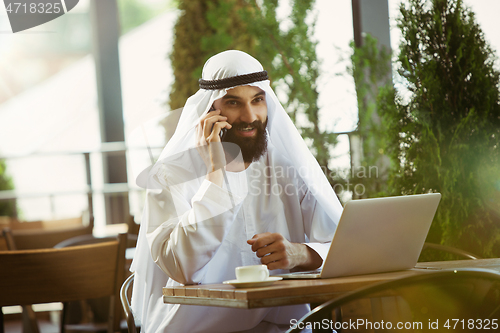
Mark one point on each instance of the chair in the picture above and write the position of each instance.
(63, 275)
(436, 248)
(46, 237)
(3, 244)
(125, 291)
(9, 239)
(458, 253)
(98, 307)
(133, 228)
(91, 239)
(25, 238)
(423, 299)
(28, 315)
(5, 221)
(16, 224)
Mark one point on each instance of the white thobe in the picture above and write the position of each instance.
(202, 238)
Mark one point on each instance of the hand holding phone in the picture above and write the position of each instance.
(223, 131)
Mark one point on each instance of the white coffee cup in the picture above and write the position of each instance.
(252, 273)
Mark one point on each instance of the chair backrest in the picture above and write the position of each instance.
(131, 241)
(452, 253)
(66, 274)
(3, 243)
(5, 221)
(47, 224)
(418, 300)
(91, 239)
(9, 239)
(125, 293)
(41, 238)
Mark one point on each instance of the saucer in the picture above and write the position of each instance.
(250, 284)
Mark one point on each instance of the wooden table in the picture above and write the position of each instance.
(288, 292)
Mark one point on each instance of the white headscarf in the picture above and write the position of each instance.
(282, 134)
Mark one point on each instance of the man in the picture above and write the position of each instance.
(235, 186)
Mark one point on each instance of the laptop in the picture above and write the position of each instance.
(377, 235)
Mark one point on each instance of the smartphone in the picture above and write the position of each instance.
(223, 131)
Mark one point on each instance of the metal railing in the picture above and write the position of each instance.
(90, 189)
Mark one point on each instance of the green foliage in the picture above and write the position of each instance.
(444, 130)
(7, 208)
(207, 27)
(204, 28)
(371, 69)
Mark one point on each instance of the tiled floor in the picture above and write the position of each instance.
(44, 325)
(48, 318)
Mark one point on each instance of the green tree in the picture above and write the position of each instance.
(204, 28)
(207, 27)
(7, 208)
(444, 122)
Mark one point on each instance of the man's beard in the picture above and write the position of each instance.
(252, 148)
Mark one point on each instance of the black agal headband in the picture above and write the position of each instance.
(233, 81)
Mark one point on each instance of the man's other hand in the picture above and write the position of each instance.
(277, 252)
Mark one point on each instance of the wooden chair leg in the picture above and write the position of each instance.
(338, 317)
(111, 317)
(1, 321)
(30, 323)
(64, 314)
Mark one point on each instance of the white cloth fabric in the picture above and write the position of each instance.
(208, 241)
(196, 232)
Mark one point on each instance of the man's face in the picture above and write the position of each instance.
(246, 110)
